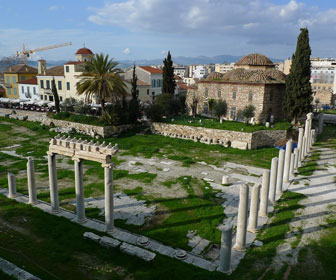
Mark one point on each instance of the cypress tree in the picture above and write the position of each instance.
(55, 93)
(298, 97)
(169, 83)
(134, 108)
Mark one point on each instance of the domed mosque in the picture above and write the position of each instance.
(254, 80)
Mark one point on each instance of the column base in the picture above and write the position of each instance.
(252, 230)
(228, 272)
(238, 248)
(55, 211)
(82, 221)
(33, 203)
(110, 230)
(12, 196)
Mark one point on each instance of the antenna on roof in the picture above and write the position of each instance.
(84, 45)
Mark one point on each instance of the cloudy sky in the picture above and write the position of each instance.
(145, 29)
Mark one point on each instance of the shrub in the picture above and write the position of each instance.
(155, 112)
(248, 112)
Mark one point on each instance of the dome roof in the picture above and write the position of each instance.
(255, 59)
(244, 75)
(84, 51)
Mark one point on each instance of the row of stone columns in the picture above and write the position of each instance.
(272, 184)
(79, 188)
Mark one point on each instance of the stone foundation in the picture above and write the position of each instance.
(227, 138)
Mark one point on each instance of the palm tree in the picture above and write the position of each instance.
(102, 79)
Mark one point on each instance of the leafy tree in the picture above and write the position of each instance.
(154, 112)
(211, 103)
(298, 97)
(134, 108)
(220, 108)
(248, 112)
(102, 79)
(169, 83)
(56, 97)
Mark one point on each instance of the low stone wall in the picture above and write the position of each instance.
(227, 138)
(92, 130)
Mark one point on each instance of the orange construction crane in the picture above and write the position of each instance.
(26, 53)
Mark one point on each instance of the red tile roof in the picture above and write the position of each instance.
(151, 70)
(84, 51)
(32, 81)
(139, 82)
(182, 86)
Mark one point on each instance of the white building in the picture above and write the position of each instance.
(189, 81)
(200, 72)
(223, 68)
(181, 71)
(28, 89)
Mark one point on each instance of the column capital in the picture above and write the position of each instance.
(75, 158)
(50, 153)
(108, 165)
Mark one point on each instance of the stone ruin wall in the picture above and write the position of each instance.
(227, 138)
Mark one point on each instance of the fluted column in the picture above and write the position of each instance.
(273, 179)
(79, 186)
(53, 183)
(109, 219)
(296, 156)
(242, 219)
(31, 181)
(287, 161)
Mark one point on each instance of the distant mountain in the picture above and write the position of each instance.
(187, 60)
(4, 64)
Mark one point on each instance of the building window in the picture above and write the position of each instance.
(234, 95)
(42, 84)
(45, 97)
(7, 80)
(51, 98)
(147, 91)
(68, 85)
(23, 78)
(48, 84)
(233, 113)
(34, 90)
(41, 97)
(206, 92)
(250, 96)
(15, 91)
(153, 93)
(153, 83)
(67, 69)
(28, 90)
(9, 91)
(61, 98)
(22, 88)
(219, 93)
(60, 85)
(14, 79)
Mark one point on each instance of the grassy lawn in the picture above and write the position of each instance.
(329, 111)
(226, 125)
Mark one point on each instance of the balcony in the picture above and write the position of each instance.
(8, 85)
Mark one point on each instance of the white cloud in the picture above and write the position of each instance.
(255, 21)
(53, 8)
(127, 51)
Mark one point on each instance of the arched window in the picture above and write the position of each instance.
(219, 93)
(206, 92)
(234, 95)
(250, 98)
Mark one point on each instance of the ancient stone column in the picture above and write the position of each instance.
(303, 151)
(273, 179)
(312, 138)
(254, 207)
(264, 194)
(109, 220)
(53, 183)
(307, 135)
(291, 165)
(280, 172)
(31, 181)
(11, 185)
(242, 219)
(320, 123)
(287, 160)
(79, 186)
(300, 139)
(296, 156)
(225, 251)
